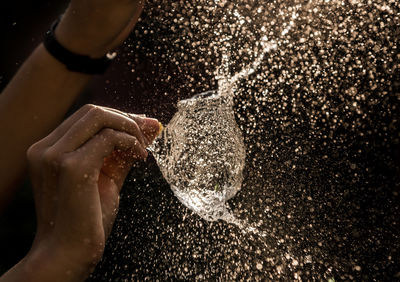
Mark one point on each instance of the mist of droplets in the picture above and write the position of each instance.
(319, 117)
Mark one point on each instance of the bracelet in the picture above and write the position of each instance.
(75, 62)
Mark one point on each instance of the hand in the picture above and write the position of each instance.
(95, 27)
(77, 172)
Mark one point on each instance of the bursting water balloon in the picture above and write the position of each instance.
(202, 155)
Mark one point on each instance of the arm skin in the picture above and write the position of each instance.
(31, 105)
(39, 95)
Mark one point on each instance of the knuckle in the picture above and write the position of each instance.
(70, 165)
(51, 157)
(108, 133)
(33, 153)
(97, 112)
(88, 107)
(78, 167)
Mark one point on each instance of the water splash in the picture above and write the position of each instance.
(201, 152)
(202, 155)
(226, 82)
(319, 120)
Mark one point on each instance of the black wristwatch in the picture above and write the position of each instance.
(75, 62)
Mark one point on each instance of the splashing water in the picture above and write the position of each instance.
(319, 120)
(201, 152)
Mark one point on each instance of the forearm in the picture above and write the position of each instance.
(32, 104)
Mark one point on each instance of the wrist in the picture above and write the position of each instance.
(49, 263)
(73, 36)
(74, 61)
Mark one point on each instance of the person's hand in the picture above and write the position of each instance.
(95, 27)
(77, 172)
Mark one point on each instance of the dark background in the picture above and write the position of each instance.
(22, 26)
(352, 176)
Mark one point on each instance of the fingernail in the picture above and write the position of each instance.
(151, 128)
(150, 122)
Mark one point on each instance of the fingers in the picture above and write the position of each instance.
(150, 127)
(79, 190)
(91, 123)
(64, 126)
(104, 143)
(117, 166)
